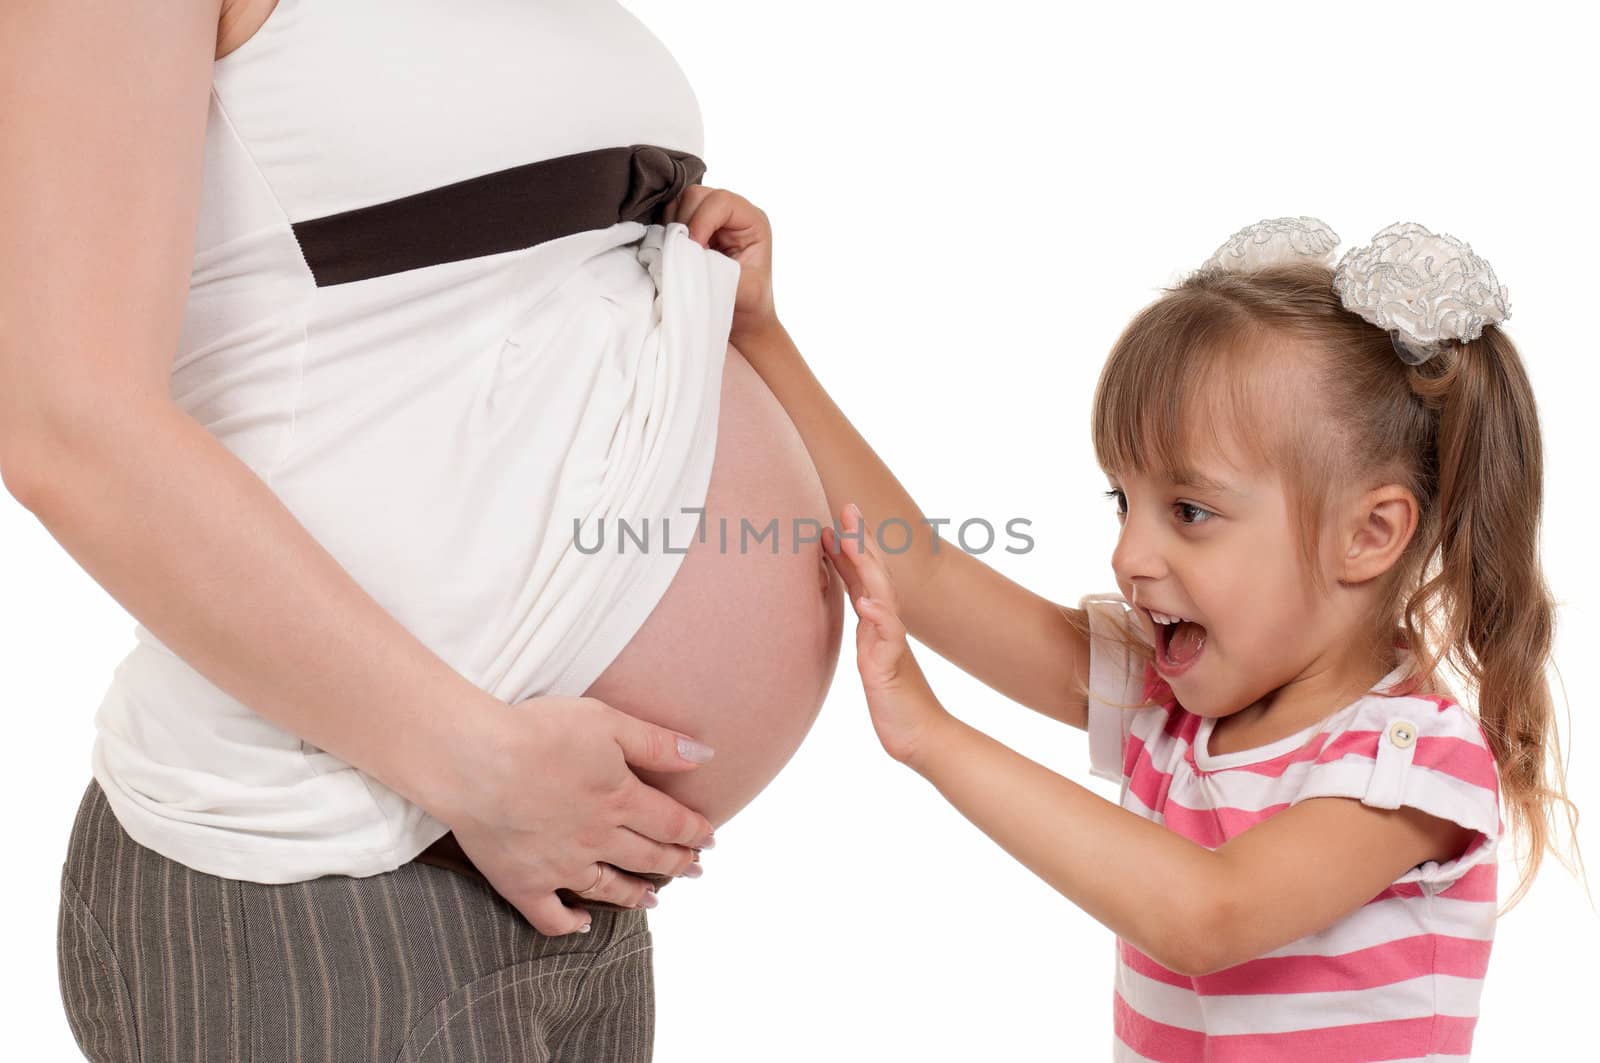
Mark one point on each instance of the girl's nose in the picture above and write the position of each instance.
(1136, 556)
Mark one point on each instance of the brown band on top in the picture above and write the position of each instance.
(493, 213)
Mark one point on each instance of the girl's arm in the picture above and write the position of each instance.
(1017, 642)
(1191, 909)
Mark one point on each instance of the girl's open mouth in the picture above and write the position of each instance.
(1178, 646)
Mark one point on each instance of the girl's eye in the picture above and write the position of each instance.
(1188, 513)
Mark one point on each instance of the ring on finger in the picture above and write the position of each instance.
(599, 873)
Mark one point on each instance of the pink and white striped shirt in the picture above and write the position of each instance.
(1399, 978)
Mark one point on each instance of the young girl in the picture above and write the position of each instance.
(1328, 484)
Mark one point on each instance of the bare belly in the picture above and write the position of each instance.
(741, 649)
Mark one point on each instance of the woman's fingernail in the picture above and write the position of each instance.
(689, 749)
(710, 841)
(694, 870)
(649, 899)
(584, 929)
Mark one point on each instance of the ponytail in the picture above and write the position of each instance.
(1484, 600)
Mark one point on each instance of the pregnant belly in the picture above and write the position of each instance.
(741, 649)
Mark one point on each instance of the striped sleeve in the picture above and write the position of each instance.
(1417, 752)
(1115, 679)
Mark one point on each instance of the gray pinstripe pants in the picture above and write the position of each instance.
(160, 963)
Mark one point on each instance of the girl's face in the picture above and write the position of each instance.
(1222, 552)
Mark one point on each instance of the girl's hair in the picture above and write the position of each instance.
(1273, 359)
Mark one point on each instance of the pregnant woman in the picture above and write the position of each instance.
(352, 348)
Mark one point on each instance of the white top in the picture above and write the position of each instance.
(439, 429)
(1401, 976)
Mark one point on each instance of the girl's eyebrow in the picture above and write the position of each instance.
(1198, 480)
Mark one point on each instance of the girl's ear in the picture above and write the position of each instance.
(1379, 528)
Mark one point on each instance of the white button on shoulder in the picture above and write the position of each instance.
(1402, 733)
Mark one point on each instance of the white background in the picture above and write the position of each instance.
(969, 203)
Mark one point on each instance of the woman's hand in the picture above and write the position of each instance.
(724, 221)
(905, 712)
(548, 800)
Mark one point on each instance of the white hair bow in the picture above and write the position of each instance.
(1425, 289)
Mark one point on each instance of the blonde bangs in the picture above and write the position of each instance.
(1182, 381)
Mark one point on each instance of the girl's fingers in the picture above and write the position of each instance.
(882, 616)
(886, 625)
(874, 577)
(842, 563)
(687, 202)
(709, 213)
(880, 644)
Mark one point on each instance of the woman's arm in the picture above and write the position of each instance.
(157, 511)
(100, 192)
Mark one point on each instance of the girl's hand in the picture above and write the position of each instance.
(724, 221)
(905, 712)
